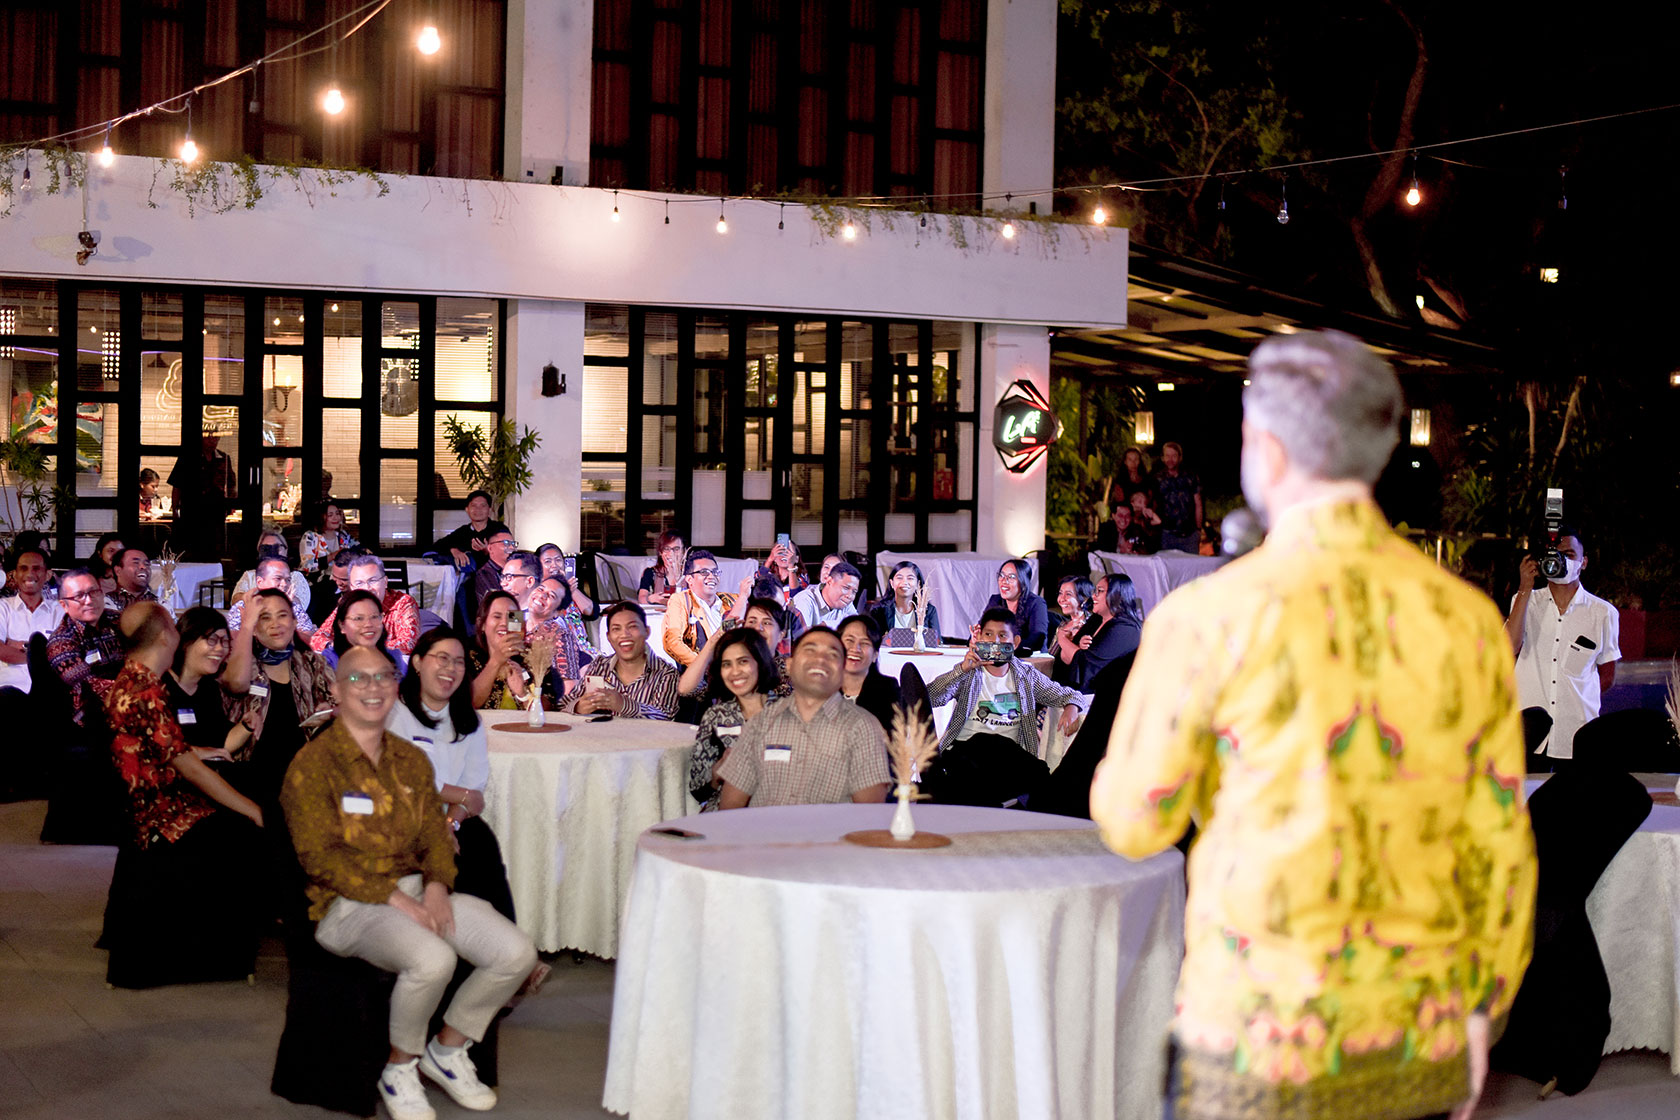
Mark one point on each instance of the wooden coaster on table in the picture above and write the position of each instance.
(916, 652)
(527, 729)
(881, 838)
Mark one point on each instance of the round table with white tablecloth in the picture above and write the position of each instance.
(567, 807)
(769, 968)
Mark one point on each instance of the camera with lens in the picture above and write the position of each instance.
(1553, 564)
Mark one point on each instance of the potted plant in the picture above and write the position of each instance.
(498, 462)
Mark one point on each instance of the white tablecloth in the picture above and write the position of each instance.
(1155, 575)
(619, 577)
(567, 809)
(188, 577)
(439, 583)
(1635, 914)
(959, 583)
(773, 970)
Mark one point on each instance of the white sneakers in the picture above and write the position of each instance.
(458, 1077)
(404, 1096)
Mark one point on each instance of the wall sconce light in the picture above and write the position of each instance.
(1144, 429)
(553, 381)
(1420, 427)
(282, 382)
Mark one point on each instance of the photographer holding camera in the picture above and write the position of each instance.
(989, 752)
(1566, 640)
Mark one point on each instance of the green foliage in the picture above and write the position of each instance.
(27, 500)
(1082, 471)
(500, 464)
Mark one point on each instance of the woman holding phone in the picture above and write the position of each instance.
(277, 687)
(500, 676)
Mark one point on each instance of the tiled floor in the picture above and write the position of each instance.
(71, 1049)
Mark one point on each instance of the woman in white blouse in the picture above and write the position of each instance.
(435, 712)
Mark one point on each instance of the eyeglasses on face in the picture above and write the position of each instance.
(370, 680)
(446, 660)
(218, 641)
(705, 573)
(89, 596)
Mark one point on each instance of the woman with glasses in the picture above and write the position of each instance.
(744, 679)
(360, 621)
(194, 687)
(663, 577)
(766, 616)
(552, 558)
(1015, 595)
(278, 688)
(434, 711)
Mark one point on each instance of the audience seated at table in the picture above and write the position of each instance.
(194, 688)
(272, 572)
(85, 650)
(861, 681)
(743, 679)
(185, 909)
(501, 677)
(631, 682)
(1144, 532)
(23, 614)
(277, 687)
(664, 574)
(831, 601)
(1015, 595)
(497, 548)
(323, 597)
(520, 573)
(989, 752)
(1073, 605)
(326, 536)
(1119, 533)
(785, 564)
(402, 613)
(696, 612)
(370, 832)
(358, 621)
(272, 543)
(465, 544)
(769, 619)
(812, 748)
(895, 612)
(552, 559)
(1119, 612)
(550, 614)
(435, 712)
(30, 540)
(131, 568)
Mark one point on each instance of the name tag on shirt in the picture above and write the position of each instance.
(729, 732)
(93, 657)
(359, 804)
(778, 754)
(186, 716)
(424, 739)
(259, 690)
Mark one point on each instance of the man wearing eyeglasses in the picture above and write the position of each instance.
(402, 613)
(85, 650)
(695, 613)
(830, 602)
(273, 572)
(497, 550)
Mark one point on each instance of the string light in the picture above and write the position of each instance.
(333, 102)
(1563, 188)
(429, 41)
(189, 150)
(1099, 216)
(781, 212)
(26, 185)
(1221, 194)
(667, 211)
(615, 214)
(1283, 211)
(1414, 196)
(106, 156)
(722, 226)
(1008, 231)
(849, 231)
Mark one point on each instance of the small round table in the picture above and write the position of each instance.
(768, 968)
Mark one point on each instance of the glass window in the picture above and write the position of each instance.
(399, 325)
(397, 494)
(466, 350)
(283, 321)
(341, 452)
(659, 360)
(449, 484)
(29, 383)
(28, 307)
(282, 415)
(282, 493)
(160, 398)
(605, 411)
(97, 460)
(659, 457)
(711, 339)
(160, 316)
(156, 506)
(224, 344)
(857, 361)
(399, 403)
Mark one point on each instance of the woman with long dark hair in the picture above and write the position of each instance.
(1117, 604)
(360, 621)
(895, 612)
(1015, 595)
(435, 712)
(193, 685)
(1078, 620)
(664, 573)
(741, 676)
(500, 676)
(276, 686)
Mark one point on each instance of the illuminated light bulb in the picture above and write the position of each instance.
(616, 215)
(849, 231)
(335, 307)
(1009, 231)
(722, 226)
(277, 320)
(1099, 216)
(1420, 302)
(333, 102)
(430, 41)
(1414, 196)
(189, 150)
(106, 156)
(26, 185)
(1283, 213)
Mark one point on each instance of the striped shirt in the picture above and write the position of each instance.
(655, 691)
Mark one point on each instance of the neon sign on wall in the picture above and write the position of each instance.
(1023, 426)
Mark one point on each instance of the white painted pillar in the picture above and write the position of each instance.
(1009, 507)
(550, 46)
(541, 332)
(1020, 101)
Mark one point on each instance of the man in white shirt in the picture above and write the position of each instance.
(830, 602)
(23, 615)
(1567, 643)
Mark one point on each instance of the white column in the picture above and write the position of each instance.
(541, 332)
(1020, 108)
(550, 46)
(1009, 507)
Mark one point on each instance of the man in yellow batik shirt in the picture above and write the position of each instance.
(1337, 714)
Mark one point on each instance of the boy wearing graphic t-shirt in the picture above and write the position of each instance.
(989, 752)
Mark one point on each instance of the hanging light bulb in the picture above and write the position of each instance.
(25, 186)
(781, 216)
(1414, 196)
(615, 214)
(1283, 210)
(1222, 194)
(722, 226)
(1099, 216)
(1008, 231)
(106, 156)
(430, 41)
(333, 102)
(849, 231)
(189, 150)
(1563, 188)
